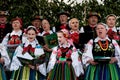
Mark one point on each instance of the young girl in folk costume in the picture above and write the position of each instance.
(24, 68)
(113, 31)
(4, 61)
(101, 57)
(64, 63)
(12, 40)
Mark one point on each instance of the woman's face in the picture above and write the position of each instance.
(74, 24)
(45, 25)
(101, 31)
(31, 35)
(16, 25)
(61, 38)
(111, 21)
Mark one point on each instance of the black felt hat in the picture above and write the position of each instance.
(62, 12)
(4, 13)
(37, 17)
(90, 14)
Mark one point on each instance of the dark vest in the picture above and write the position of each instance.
(97, 51)
(4, 31)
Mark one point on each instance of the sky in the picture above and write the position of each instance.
(80, 1)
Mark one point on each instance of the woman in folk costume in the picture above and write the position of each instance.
(4, 61)
(12, 40)
(74, 33)
(64, 63)
(46, 31)
(102, 57)
(46, 28)
(113, 31)
(28, 60)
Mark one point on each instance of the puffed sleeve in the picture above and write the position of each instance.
(117, 51)
(4, 55)
(87, 55)
(76, 63)
(15, 64)
(52, 60)
(5, 39)
(42, 67)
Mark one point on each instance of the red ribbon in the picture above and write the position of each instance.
(2, 26)
(75, 37)
(28, 49)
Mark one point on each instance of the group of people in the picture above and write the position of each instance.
(91, 52)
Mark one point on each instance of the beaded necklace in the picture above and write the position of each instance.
(103, 46)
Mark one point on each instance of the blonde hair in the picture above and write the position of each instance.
(72, 20)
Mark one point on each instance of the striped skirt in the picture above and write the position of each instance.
(102, 72)
(2, 73)
(25, 73)
(62, 71)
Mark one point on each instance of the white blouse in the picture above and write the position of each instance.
(4, 55)
(5, 39)
(18, 53)
(87, 55)
(76, 63)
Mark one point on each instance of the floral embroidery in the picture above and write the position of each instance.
(97, 47)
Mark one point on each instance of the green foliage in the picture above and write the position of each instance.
(26, 9)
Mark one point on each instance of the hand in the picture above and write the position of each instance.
(92, 62)
(45, 47)
(2, 60)
(31, 66)
(113, 60)
(37, 66)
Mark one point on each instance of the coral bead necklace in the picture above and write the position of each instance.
(103, 46)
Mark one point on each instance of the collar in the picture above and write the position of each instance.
(65, 45)
(19, 33)
(97, 39)
(77, 31)
(46, 32)
(113, 29)
(33, 43)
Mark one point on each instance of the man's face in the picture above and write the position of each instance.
(36, 23)
(93, 20)
(63, 19)
(3, 19)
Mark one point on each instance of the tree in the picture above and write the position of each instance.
(26, 9)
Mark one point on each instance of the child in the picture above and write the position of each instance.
(64, 62)
(4, 61)
(29, 50)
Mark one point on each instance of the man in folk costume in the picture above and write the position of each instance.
(63, 21)
(89, 30)
(4, 26)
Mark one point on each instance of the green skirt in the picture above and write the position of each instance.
(2, 73)
(62, 71)
(102, 72)
(25, 73)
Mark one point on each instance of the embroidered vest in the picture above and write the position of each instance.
(98, 51)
